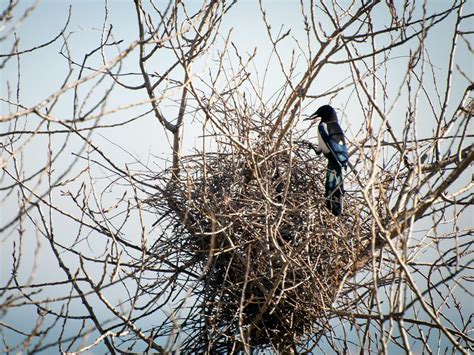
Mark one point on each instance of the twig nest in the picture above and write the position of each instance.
(272, 257)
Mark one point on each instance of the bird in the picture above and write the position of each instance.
(332, 143)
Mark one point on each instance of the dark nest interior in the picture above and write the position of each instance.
(273, 259)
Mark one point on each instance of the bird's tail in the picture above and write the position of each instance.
(334, 190)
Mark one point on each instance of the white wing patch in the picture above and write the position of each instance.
(339, 141)
(322, 145)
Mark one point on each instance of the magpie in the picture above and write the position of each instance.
(332, 144)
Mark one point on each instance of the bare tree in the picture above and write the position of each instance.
(223, 243)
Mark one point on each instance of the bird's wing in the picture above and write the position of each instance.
(333, 137)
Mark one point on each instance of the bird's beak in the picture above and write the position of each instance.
(310, 118)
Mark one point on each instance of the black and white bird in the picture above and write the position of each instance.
(332, 144)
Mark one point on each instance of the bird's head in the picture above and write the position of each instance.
(326, 112)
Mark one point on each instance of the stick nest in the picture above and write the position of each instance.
(273, 259)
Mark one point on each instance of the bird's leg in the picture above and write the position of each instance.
(311, 146)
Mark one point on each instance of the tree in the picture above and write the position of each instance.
(222, 243)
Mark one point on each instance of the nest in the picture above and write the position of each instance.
(272, 257)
